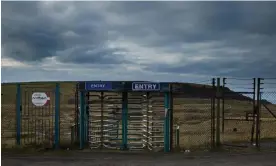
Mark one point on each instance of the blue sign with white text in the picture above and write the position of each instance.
(145, 86)
(98, 86)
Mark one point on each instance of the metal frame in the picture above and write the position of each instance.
(124, 88)
(19, 114)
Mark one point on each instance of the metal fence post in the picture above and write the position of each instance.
(57, 115)
(166, 123)
(258, 113)
(18, 114)
(124, 121)
(171, 117)
(213, 102)
(218, 95)
(177, 136)
(254, 111)
(81, 120)
(223, 105)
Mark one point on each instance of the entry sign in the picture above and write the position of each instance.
(98, 86)
(40, 99)
(145, 86)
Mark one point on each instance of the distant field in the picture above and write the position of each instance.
(191, 114)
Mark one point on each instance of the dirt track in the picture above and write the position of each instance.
(123, 159)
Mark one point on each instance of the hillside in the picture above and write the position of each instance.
(206, 91)
(67, 89)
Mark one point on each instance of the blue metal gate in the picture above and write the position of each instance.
(37, 115)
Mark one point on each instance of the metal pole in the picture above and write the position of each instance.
(77, 111)
(18, 114)
(253, 111)
(102, 119)
(213, 113)
(166, 123)
(223, 104)
(177, 137)
(57, 116)
(147, 97)
(86, 118)
(124, 121)
(81, 120)
(171, 117)
(218, 113)
(258, 113)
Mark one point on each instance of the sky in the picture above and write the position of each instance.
(153, 41)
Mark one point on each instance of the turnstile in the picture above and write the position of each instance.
(145, 120)
(104, 129)
(124, 115)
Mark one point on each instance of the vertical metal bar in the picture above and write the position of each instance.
(77, 110)
(147, 98)
(177, 137)
(166, 123)
(254, 112)
(26, 99)
(53, 121)
(23, 121)
(223, 104)
(102, 120)
(50, 122)
(218, 113)
(86, 115)
(125, 120)
(57, 114)
(42, 122)
(18, 114)
(213, 113)
(81, 120)
(35, 118)
(171, 117)
(258, 113)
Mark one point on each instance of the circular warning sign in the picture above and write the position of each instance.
(40, 98)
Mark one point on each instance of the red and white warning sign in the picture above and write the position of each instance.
(40, 99)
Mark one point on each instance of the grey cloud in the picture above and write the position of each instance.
(28, 34)
(86, 55)
(33, 38)
(223, 67)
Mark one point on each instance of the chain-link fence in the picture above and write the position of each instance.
(268, 113)
(238, 98)
(192, 106)
(8, 115)
(67, 113)
(37, 123)
(199, 109)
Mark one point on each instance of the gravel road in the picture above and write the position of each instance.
(136, 159)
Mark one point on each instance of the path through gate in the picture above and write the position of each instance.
(37, 111)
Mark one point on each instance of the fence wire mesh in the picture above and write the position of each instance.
(237, 110)
(192, 113)
(268, 113)
(8, 115)
(67, 112)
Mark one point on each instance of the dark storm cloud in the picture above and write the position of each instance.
(244, 33)
(31, 35)
(178, 22)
